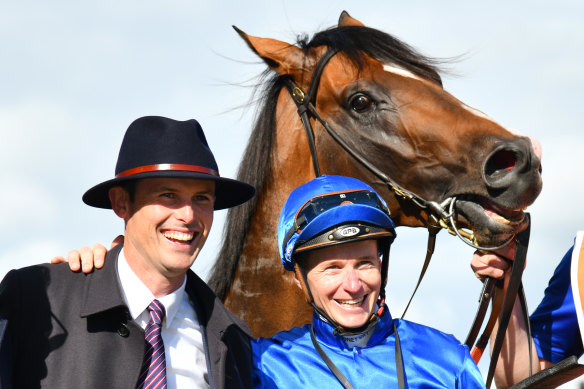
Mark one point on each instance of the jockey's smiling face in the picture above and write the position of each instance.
(345, 280)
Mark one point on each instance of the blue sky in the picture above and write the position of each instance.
(74, 75)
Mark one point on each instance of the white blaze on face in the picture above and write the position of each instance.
(476, 112)
(406, 73)
(400, 71)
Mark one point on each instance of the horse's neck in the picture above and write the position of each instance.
(261, 285)
(291, 166)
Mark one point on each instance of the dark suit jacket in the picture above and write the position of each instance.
(60, 329)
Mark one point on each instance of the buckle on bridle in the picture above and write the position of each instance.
(298, 95)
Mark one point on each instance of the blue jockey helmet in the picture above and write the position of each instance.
(331, 210)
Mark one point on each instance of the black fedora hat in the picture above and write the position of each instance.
(156, 146)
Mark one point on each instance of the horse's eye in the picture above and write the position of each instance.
(361, 103)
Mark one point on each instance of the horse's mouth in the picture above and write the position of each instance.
(492, 224)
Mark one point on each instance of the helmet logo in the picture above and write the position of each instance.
(348, 232)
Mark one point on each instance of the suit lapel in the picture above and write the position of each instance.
(212, 326)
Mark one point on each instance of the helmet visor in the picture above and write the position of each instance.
(317, 205)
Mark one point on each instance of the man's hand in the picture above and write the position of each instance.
(86, 258)
(493, 264)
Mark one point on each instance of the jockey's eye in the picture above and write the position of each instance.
(361, 103)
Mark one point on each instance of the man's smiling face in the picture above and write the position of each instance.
(167, 224)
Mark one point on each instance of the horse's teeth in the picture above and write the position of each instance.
(503, 220)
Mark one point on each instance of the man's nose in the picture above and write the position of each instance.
(352, 281)
(186, 213)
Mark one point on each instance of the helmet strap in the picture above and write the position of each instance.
(384, 245)
(301, 277)
(345, 332)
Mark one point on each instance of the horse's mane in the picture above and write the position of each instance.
(255, 166)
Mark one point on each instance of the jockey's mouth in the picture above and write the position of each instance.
(352, 303)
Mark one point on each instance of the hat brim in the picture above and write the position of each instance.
(228, 192)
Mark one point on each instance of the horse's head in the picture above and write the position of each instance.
(387, 103)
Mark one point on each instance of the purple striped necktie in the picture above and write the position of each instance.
(153, 375)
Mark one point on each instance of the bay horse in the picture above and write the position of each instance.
(423, 150)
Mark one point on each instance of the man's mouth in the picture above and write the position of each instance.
(178, 236)
(352, 303)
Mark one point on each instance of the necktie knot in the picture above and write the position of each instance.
(157, 312)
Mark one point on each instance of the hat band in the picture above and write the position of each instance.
(167, 166)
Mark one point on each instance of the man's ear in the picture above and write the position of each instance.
(120, 200)
(297, 281)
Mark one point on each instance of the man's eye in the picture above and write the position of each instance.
(168, 195)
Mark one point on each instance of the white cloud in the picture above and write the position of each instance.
(23, 202)
(30, 253)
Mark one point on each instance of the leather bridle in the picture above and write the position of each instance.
(440, 215)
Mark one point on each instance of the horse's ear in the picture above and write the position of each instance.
(345, 20)
(282, 57)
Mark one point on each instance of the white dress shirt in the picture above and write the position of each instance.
(186, 366)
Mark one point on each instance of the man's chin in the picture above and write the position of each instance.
(179, 265)
(354, 320)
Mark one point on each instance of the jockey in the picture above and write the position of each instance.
(335, 233)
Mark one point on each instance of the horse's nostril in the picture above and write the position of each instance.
(502, 160)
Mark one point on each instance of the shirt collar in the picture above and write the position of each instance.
(324, 331)
(137, 295)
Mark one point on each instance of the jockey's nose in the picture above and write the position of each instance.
(352, 282)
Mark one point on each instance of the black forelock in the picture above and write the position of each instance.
(356, 40)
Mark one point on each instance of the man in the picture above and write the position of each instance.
(335, 233)
(144, 319)
(554, 324)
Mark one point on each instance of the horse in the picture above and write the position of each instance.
(358, 102)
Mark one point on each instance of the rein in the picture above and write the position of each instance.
(440, 215)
